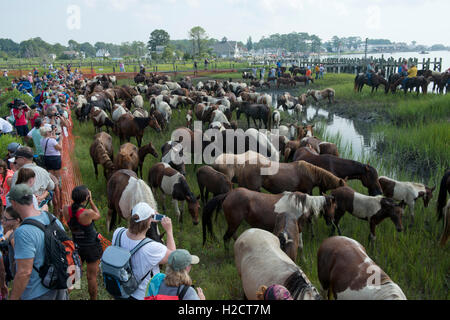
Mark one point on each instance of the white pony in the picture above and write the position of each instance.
(260, 262)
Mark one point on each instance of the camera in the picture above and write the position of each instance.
(158, 217)
(17, 104)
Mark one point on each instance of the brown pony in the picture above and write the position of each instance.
(317, 95)
(372, 209)
(260, 209)
(446, 231)
(129, 126)
(295, 176)
(210, 180)
(127, 158)
(347, 272)
(444, 190)
(345, 168)
(142, 153)
(304, 79)
(286, 81)
(102, 152)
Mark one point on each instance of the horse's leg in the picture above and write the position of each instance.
(411, 211)
(177, 209)
(201, 187)
(95, 169)
(108, 219)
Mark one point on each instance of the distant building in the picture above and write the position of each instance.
(227, 49)
(52, 56)
(71, 53)
(102, 53)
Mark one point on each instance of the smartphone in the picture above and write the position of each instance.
(158, 217)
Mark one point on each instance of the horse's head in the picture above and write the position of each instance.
(394, 211)
(427, 195)
(328, 209)
(369, 179)
(193, 206)
(153, 123)
(149, 148)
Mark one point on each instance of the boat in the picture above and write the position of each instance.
(423, 52)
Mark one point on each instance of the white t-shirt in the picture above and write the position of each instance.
(145, 258)
(5, 126)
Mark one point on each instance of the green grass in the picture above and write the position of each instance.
(412, 258)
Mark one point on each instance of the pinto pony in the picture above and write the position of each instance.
(317, 95)
(372, 209)
(408, 192)
(347, 272)
(260, 262)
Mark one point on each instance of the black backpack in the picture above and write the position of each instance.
(61, 261)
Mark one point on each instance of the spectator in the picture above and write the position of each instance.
(11, 220)
(317, 69)
(5, 127)
(35, 135)
(308, 74)
(262, 71)
(5, 74)
(404, 68)
(3, 286)
(81, 224)
(177, 276)
(274, 292)
(146, 261)
(29, 249)
(6, 180)
(254, 70)
(12, 147)
(52, 150)
(272, 73)
(23, 158)
(322, 70)
(28, 177)
(33, 114)
(206, 64)
(20, 116)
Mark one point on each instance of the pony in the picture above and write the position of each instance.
(100, 119)
(171, 182)
(446, 231)
(127, 157)
(444, 189)
(260, 261)
(372, 209)
(276, 119)
(347, 272)
(259, 210)
(287, 231)
(294, 176)
(416, 82)
(211, 180)
(361, 79)
(344, 168)
(317, 95)
(255, 111)
(304, 79)
(286, 81)
(102, 152)
(408, 192)
(129, 126)
(142, 153)
(124, 190)
(170, 151)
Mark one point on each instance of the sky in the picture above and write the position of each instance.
(117, 21)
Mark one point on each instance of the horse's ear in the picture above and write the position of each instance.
(342, 183)
(346, 179)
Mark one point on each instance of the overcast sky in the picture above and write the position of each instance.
(116, 21)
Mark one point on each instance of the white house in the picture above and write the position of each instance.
(227, 49)
(102, 53)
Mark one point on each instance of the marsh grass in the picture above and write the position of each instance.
(411, 258)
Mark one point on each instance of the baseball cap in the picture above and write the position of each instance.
(20, 193)
(143, 210)
(13, 146)
(180, 259)
(22, 152)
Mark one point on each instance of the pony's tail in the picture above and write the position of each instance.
(446, 232)
(442, 195)
(356, 83)
(208, 210)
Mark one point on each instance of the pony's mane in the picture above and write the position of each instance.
(142, 123)
(297, 283)
(322, 176)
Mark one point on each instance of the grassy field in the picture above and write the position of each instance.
(411, 258)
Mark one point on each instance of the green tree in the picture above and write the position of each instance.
(168, 53)
(199, 37)
(158, 37)
(249, 44)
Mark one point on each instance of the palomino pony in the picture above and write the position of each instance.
(260, 262)
(260, 209)
(347, 272)
(408, 192)
(345, 168)
(295, 176)
(124, 190)
(372, 209)
(171, 182)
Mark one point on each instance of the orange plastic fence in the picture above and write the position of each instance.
(70, 171)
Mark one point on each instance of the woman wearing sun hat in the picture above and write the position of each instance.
(177, 276)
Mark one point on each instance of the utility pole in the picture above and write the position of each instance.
(365, 51)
